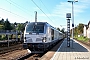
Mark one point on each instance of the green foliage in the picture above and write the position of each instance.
(7, 25)
(1, 27)
(18, 36)
(2, 22)
(82, 38)
(80, 28)
(20, 27)
(14, 36)
(3, 37)
(63, 30)
(58, 29)
(15, 23)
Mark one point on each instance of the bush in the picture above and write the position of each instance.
(82, 38)
(3, 37)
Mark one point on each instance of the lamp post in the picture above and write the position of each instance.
(73, 18)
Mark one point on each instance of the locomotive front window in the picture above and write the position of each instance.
(35, 28)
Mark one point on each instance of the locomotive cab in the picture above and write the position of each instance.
(35, 36)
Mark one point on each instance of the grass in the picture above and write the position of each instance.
(82, 38)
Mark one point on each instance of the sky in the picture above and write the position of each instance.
(51, 11)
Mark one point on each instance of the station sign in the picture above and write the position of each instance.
(68, 15)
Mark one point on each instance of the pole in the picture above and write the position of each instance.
(35, 16)
(73, 19)
(68, 15)
(68, 32)
(20, 35)
(16, 36)
(8, 40)
(72, 24)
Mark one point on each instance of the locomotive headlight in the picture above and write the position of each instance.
(25, 40)
(24, 37)
(44, 39)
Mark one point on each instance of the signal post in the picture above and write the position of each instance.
(68, 16)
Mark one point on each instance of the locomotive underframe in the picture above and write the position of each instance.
(39, 47)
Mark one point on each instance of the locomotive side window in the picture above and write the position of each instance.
(52, 34)
(33, 28)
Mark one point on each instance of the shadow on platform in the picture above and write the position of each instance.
(77, 47)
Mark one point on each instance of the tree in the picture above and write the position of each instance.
(20, 27)
(58, 29)
(15, 23)
(26, 22)
(75, 31)
(2, 21)
(63, 30)
(80, 28)
(7, 25)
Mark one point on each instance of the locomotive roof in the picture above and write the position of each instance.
(42, 22)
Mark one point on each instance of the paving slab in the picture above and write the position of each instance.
(75, 52)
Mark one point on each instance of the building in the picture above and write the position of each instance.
(86, 31)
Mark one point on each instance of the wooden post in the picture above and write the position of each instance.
(8, 40)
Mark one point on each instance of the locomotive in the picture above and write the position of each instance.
(40, 36)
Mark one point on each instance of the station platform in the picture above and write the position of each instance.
(77, 52)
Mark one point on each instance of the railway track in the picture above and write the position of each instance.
(43, 55)
(12, 52)
(17, 53)
(11, 48)
(14, 55)
(32, 57)
(23, 54)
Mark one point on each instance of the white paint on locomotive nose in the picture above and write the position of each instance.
(28, 51)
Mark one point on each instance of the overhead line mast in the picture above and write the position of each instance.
(35, 16)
